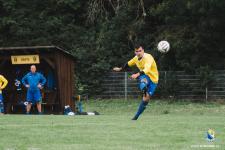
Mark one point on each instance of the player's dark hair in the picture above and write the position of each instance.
(138, 44)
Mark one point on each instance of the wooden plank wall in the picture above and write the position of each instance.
(65, 75)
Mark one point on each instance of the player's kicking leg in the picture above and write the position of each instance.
(147, 87)
(142, 106)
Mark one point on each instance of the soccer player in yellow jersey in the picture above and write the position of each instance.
(3, 83)
(147, 76)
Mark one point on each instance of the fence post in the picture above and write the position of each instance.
(206, 94)
(125, 85)
(165, 78)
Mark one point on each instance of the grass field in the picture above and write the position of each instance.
(163, 126)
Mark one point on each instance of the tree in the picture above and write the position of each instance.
(101, 33)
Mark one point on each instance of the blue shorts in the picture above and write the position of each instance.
(34, 96)
(1, 104)
(151, 86)
(1, 97)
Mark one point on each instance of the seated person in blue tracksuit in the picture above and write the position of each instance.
(33, 81)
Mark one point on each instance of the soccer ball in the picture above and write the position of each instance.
(163, 46)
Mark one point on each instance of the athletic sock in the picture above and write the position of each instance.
(141, 108)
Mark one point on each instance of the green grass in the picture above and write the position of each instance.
(163, 126)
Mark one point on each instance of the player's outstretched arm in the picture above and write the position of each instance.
(124, 68)
(117, 68)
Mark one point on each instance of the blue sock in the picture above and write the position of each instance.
(141, 108)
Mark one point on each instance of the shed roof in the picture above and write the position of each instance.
(40, 48)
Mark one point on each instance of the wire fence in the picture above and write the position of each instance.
(175, 84)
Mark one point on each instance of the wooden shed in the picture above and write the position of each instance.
(56, 64)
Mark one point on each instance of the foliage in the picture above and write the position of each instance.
(168, 85)
(101, 34)
(206, 76)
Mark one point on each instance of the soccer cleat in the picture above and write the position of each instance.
(134, 118)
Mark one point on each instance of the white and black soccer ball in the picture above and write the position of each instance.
(163, 46)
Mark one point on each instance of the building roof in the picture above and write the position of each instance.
(40, 48)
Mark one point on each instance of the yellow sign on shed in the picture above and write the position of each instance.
(25, 59)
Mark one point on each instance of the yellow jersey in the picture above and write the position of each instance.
(3, 83)
(147, 65)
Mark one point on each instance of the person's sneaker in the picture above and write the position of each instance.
(40, 113)
(134, 118)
